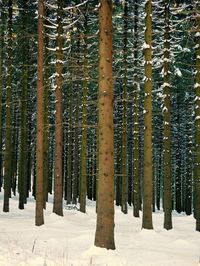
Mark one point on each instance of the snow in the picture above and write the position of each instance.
(165, 84)
(68, 240)
(196, 85)
(178, 72)
(145, 46)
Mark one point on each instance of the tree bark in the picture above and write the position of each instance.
(136, 178)
(104, 236)
(148, 180)
(167, 200)
(39, 218)
(8, 136)
(124, 114)
(58, 184)
(83, 177)
(197, 124)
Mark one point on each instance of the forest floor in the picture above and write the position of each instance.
(68, 240)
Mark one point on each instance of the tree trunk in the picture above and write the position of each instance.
(8, 136)
(23, 128)
(124, 116)
(83, 177)
(136, 179)
(167, 200)
(2, 45)
(197, 124)
(58, 184)
(148, 180)
(39, 218)
(104, 236)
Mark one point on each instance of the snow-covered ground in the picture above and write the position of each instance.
(68, 240)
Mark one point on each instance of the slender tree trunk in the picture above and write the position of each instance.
(148, 180)
(189, 163)
(2, 45)
(167, 200)
(46, 118)
(178, 176)
(15, 138)
(136, 178)
(39, 218)
(83, 177)
(124, 119)
(58, 184)
(22, 188)
(197, 124)
(158, 178)
(68, 181)
(104, 236)
(8, 137)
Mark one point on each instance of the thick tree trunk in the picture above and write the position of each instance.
(104, 236)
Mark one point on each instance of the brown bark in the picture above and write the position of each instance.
(167, 200)
(58, 185)
(124, 197)
(136, 177)
(8, 136)
(148, 179)
(197, 124)
(104, 236)
(39, 219)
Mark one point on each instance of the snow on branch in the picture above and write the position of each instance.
(76, 6)
(145, 46)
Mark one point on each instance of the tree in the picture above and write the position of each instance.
(22, 179)
(39, 218)
(197, 123)
(124, 114)
(8, 137)
(83, 177)
(46, 120)
(167, 122)
(148, 180)
(104, 236)
(58, 185)
(136, 179)
(2, 45)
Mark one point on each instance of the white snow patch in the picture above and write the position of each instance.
(178, 72)
(69, 240)
(145, 46)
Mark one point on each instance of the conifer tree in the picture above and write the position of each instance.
(22, 179)
(148, 179)
(136, 179)
(83, 178)
(167, 122)
(39, 217)
(124, 114)
(58, 186)
(2, 45)
(104, 236)
(8, 136)
(197, 121)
